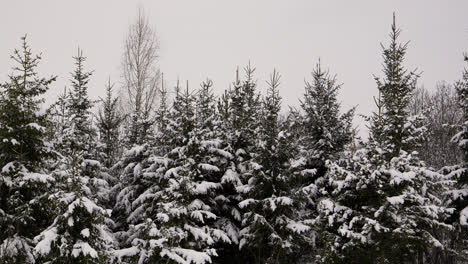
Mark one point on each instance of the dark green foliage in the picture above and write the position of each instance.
(326, 131)
(21, 127)
(272, 230)
(384, 205)
(79, 232)
(109, 121)
(24, 209)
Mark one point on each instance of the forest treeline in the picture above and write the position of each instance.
(198, 178)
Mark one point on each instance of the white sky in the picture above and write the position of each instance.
(209, 38)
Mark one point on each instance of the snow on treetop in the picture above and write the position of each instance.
(199, 233)
(15, 245)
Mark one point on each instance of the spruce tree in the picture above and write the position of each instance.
(272, 229)
(389, 128)
(24, 207)
(108, 122)
(162, 121)
(383, 205)
(22, 126)
(239, 109)
(326, 130)
(178, 210)
(80, 231)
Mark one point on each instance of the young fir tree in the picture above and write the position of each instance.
(325, 130)
(80, 230)
(162, 121)
(216, 152)
(388, 127)
(108, 122)
(180, 206)
(128, 209)
(24, 208)
(272, 229)
(384, 204)
(239, 109)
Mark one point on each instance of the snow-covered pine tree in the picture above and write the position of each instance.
(180, 206)
(80, 231)
(24, 208)
(129, 187)
(384, 206)
(129, 209)
(108, 122)
(216, 152)
(325, 130)
(162, 115)
(457, 197)
(321, 133)
(389, 128)
(239, 109)
(272, 229)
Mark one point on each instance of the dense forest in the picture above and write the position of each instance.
(156, 174)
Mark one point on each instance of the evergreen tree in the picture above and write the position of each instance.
(326, 131)
(322, 133)
(22, 126)
(272, 229)
(239, 109)
(79, 103)
(80, 231)
(384, 205)
(162, 121)
(457, 197)
(389, 128)
(24, 208)
(180, 205)
(108, 122)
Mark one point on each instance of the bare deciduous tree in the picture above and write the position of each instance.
(442, 117)
(140, 78)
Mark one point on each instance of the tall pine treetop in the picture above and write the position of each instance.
(326, 130)
(80, 104)
(21, 124)
(389, 126)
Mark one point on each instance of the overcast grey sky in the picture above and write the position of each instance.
(209, 38)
